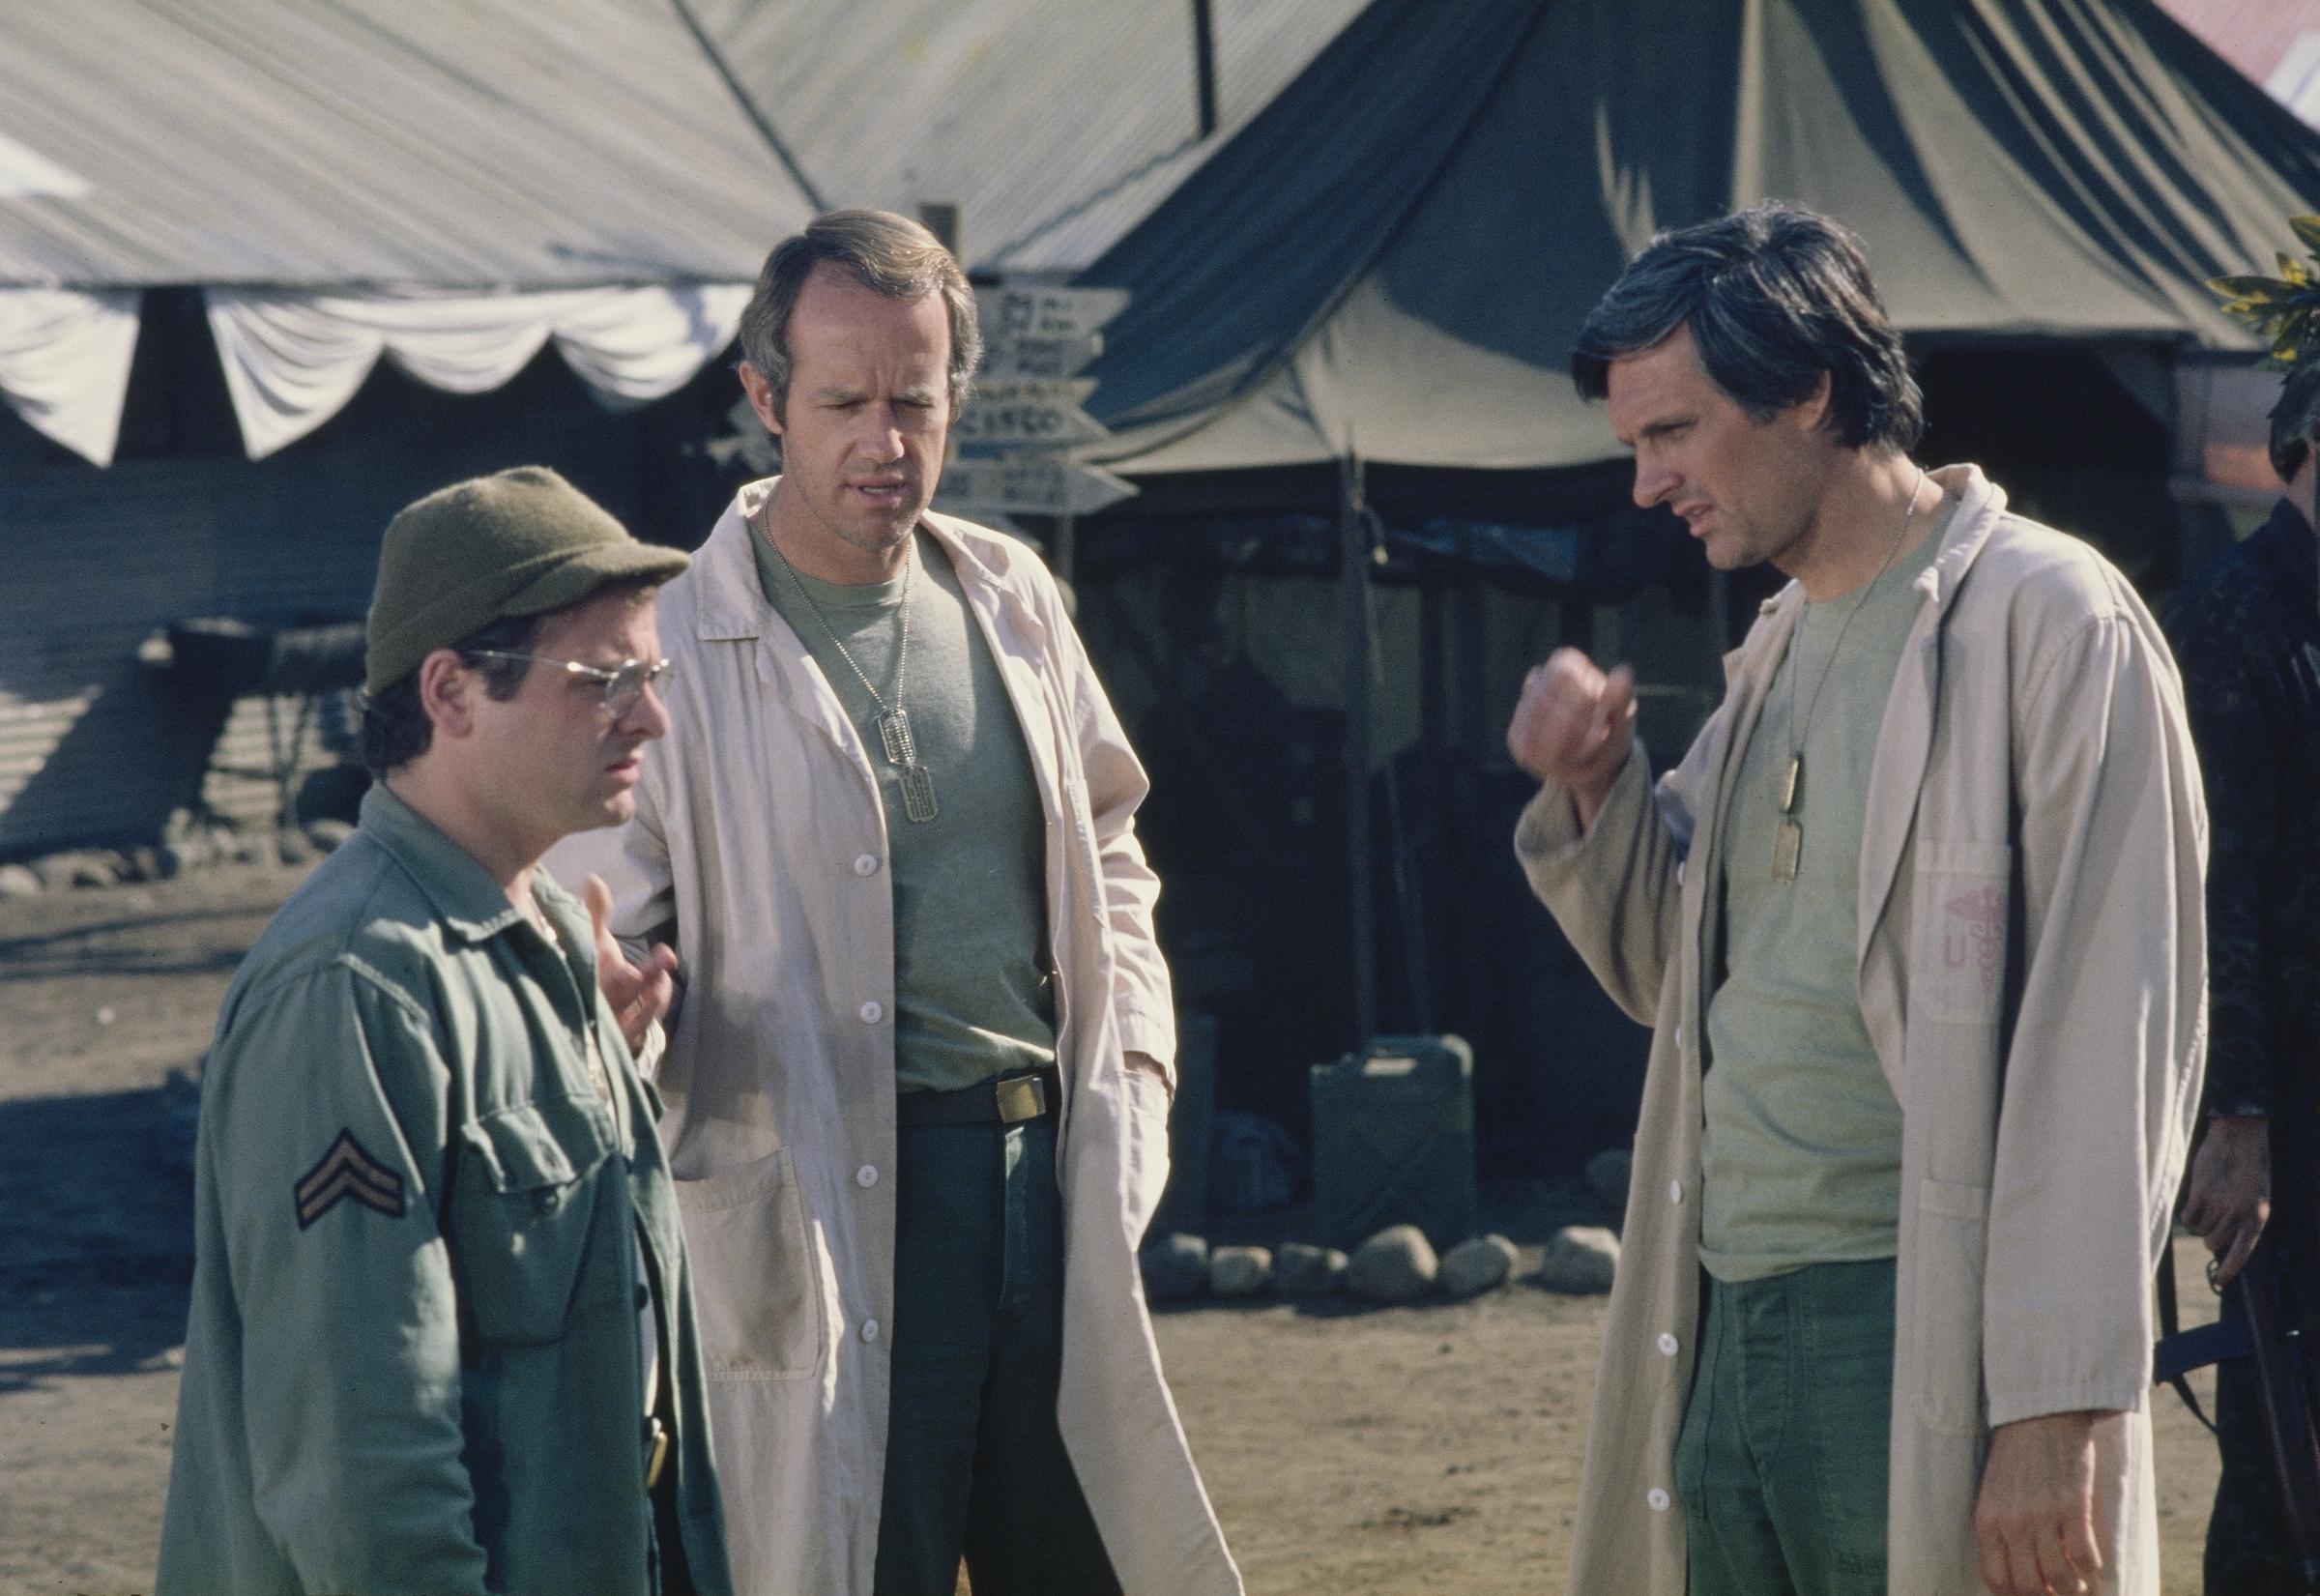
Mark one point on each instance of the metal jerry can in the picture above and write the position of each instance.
(1393, 1142)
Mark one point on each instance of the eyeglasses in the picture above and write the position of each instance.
(623, 684)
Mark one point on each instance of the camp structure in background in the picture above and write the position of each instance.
(1370, 497)
(1355, 242)
(268, 273)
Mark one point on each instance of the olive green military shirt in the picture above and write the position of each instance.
(424, 1176)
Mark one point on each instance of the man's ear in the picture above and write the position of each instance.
(1812, 412)
(448, 688)
(762, 398)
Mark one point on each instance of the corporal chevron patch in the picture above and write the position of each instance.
(347, 1172)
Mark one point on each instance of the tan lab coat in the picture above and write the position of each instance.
(2033, 975)
(759, 848)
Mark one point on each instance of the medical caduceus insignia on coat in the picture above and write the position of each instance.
(347, 1172)
(1973, 935)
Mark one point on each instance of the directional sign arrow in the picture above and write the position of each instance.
(1031, 413)
(1038, 312)
(1039, 484)
(1034, 355)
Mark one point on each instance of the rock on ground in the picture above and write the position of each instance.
(1397, 1264)
(1608, 1175)
(1473, 1267)
(18, 881)
(1302, 1270)
(1239, 1271)
(1580, 1258)
(1175, 1268)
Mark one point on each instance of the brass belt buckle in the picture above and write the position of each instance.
(1024, 1097)
(656, 1453)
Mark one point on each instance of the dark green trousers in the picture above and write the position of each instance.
(975, 1463)
(1781, 1462)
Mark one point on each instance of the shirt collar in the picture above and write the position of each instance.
(464, 897)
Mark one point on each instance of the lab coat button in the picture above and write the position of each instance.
(1658, 1499)
(865, 865)
(865, 1177)
(869, 1329)
(1675, 1191)
(873, 1011)
(1667, 1344)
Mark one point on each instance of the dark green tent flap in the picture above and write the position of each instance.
(1391, 259)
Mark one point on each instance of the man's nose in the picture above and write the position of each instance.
(647, 717)
(884, 440)
(1654, 482)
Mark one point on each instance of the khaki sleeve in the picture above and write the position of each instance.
(2102, 1070)
(1615, 888)
(323, 1127)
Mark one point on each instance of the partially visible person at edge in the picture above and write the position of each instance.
(2247, 633)
(443, 1339)
(1917, 924)
(919, 1076)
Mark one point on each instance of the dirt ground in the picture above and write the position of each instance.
(1413, 1450)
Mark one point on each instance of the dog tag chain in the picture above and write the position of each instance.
(893, 721)
(1788, 835)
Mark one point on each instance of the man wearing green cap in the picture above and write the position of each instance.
(442, 1336)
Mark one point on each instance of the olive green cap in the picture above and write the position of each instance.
(517, 542)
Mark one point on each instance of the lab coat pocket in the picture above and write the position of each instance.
(1957, 946)
(753, 1278)
(522, 1220)
(1952, 1243)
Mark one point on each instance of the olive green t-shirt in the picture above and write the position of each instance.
(972, 995)
(1801, 1153)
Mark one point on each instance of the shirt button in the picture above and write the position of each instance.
(1658, 1499)
(1679, 1036)
(865, 865)
(1667, 1344)
(872, 1011)
(1675, 1191)
(869, 1329)
(1679, 872)
(865, 1177)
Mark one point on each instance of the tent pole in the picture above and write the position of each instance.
(1353, 551)
(1063, 555)
(1203, 62)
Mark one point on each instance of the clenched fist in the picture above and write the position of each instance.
(1574, 726)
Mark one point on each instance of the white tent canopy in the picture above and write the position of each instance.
(63, 363)
(293, 359)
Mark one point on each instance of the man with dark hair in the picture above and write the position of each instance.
(1917, 924)
(919, 1081)
(442, 1336)
(2246, 632)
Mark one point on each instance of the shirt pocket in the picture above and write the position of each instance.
(1951, 1245)
(524, 1215)
(753, 1280)
(1962, 917)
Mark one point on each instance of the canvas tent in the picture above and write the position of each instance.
(1451, 184)
(451, 187)
(1342, 385)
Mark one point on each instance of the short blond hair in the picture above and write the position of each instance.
(887, 253)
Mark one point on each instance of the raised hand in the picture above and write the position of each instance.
(1573, 727)
(639, 993)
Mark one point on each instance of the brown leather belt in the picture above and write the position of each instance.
(1009, 1100)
